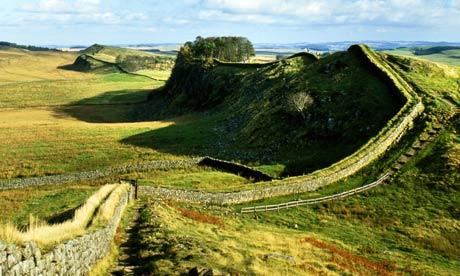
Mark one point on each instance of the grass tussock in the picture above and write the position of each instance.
(379, 268)
(107, 209)
(46, 235)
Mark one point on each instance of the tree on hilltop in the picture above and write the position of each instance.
(225, 48)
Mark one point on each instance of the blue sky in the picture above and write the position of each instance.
(66, 22)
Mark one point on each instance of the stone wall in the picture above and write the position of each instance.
(96, 174)
(235, 168)
(73, 257)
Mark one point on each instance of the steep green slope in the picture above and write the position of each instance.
(302, 112)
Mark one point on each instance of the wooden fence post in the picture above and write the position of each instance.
(135, 185)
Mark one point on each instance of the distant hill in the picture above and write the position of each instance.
(343, 45)
(436, 50)
(102, 59)
(25, 47)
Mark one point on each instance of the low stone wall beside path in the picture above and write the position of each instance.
(73, 257)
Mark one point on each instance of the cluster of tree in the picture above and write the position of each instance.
(132, 63)
(225, 48)
(26, 47)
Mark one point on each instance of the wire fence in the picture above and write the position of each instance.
(296, 203)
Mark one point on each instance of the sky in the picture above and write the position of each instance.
(83, 22)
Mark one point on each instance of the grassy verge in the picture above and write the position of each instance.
(38, 141)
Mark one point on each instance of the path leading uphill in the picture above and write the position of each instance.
(127, 262)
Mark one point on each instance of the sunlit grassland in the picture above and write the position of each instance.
(434, 79)
(23, 66)
(96, 90)
(81, 119)
(37, 141)
(35, 79)
(193, 178)
(155, 74)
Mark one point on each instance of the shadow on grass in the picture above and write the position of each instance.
(200, 134)
(121, 106)
(197, 136)
(62, 216)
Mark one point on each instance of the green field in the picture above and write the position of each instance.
(436, 54)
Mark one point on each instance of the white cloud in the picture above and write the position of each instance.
(376, 12)
(231, 17)
(49, 5)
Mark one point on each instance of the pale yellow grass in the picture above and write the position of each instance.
(37, 141)
(47, 116)
(243, 246)
(107, 209)
(156, 74)
(21, 66)
(45, 235)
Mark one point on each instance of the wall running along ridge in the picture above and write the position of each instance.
(74, 257)
(306, 55)
(348, 166)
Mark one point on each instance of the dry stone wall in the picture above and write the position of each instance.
(96, 174)
(235, 168)
(74, 257)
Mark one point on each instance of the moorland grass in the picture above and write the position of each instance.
(228, 244)
(97, 90)
(193, 178)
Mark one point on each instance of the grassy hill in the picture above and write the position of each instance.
(256, 114)
(444, 54)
